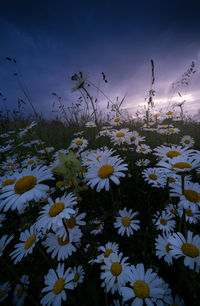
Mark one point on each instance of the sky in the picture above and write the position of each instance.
(52, 40)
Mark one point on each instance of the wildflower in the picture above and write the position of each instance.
(26, 187)
(163, 222)
(4, 288)
(20, 291)
(163, 248)
(109, 248)
(53, 213)
(154, 176)
(78, 144)
(98, 227)
(56, 284)
(180, 164)
(108, 168)
(78, 273)
(144, 149)
(189, 248)
(187, 141)
(170, 152)
(144, 287)
(28, 240)
(171, 210)
(120, 136)
(90, 124)
(126, 222)
(135, 138)
(115, 272)
(191, 215)
(142, 162)
(4, 242)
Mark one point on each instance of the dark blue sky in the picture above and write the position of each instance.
(52, 40)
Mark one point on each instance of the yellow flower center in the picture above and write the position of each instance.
(172, 154)
(108, 252)
(141, 289)
(2, 293)
(58, 286)
(105, 171)
(167, 247)
(79, 142)
(56, 208)
(126, 221)
(25, 184)
(163, 221)
(76, 277)
(59, 184)
(117, 120)
(31, 161)
(171, 180)
(29, 242)
(189, 213)
(169, 113)
(171, 130)
(153, 177)
(116, 269)
(105, 133)
(182, 166)
(8, 182)
(190, 250)
(120, 134)
(142, 149)
(63, 242)
(70, 223)
(20, 291)
(192, 195)
(173, 211)
(98, 157)
(133, 138)
(9, 164)
(187, 141)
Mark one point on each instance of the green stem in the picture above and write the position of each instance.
(94, 110)
(42, 253)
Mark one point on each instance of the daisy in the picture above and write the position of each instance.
(126, 223)
(191, 216)
(116, 121)
(171, 210)
(95, 156)
(173, 130)
(29, 161)
(104, 133)
(187, 141)
(163, 248)
(78, 144)
(142, 162)
(4, 242)
(190, 197)
(98, 227)
(90, 124)
(154, 176)
(61, 247)
(135, 138)
(180, 164)
(188, 247)
(54, 212)
(26, 187)
(4, 288)
(108, 168)
(115, 272)
(120, 136)
(144, 149)
(144, 287)
(20, 291)
(78, 273)
(163, 222)
(109, 248)
(168, 153)
(56, 284)
(28, 240)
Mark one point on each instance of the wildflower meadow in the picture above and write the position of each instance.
(100, 210)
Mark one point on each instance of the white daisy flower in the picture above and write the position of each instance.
(56, 284)
(188, 248)
(126, 222)
(163, 222)
(187, 141)
(191, 215)
(116, 121)
(144, 149)
(79, 274)
(120, 136)
(28, 240)
(135, 138)
(146, 287)
(142, 162)
(52, 214)
(170, 152)
(61, 247)
(173, 130)
(26, 187)
(95, 156)
(155, 176)
(116, 272)
(104, 133)
(90, 124)
(78, 144)
(20, 291)
(108, 168)
(180, 164)
(109, 248)
(98, 227)
(4, 242)
(4, 289)
(30, 161)
(163, 248)
(171, 210)
(190, 198)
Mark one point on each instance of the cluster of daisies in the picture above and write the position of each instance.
(29, 183)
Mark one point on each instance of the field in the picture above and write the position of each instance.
(105, 203)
